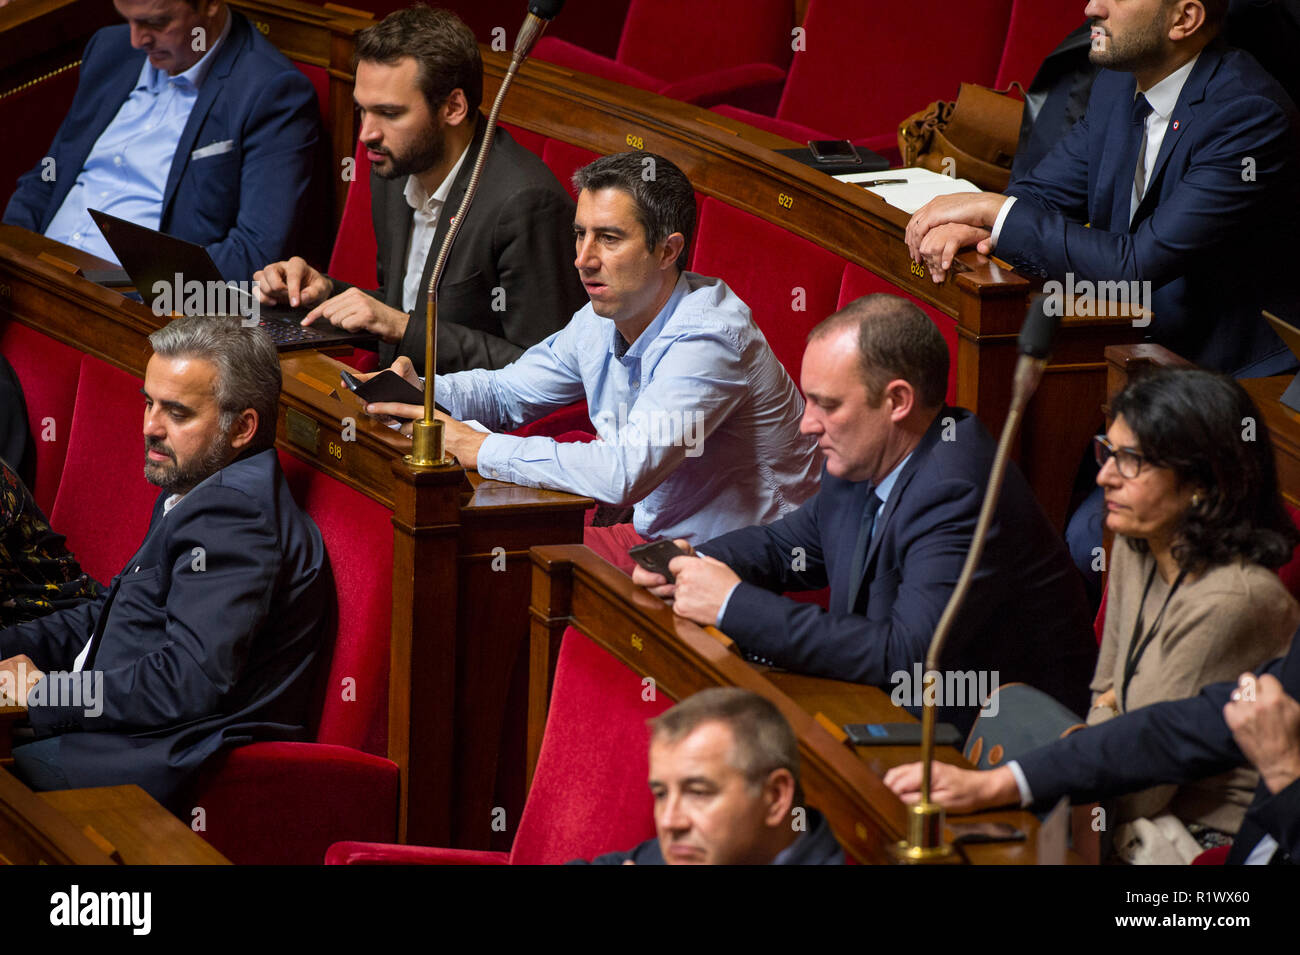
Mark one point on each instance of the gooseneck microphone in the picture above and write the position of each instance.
(925, 821)
(426, 434)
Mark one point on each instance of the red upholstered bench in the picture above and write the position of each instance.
(104, 503)
(286, 802)
(844, 83)
(738, 52)
(48, 372)
(589, 793)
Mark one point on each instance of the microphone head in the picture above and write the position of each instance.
(1039, 329)
(545, 9)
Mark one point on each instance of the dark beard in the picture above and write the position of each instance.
(1137, 50)
(177, 479)
(427, 152)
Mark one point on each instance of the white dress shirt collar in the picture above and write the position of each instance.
(1163, 97)
(421, 201)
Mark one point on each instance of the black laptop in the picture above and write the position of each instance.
(153, 260)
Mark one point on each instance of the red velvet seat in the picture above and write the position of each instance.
(48, 372)
(104, 503)
(845, 83)
(858, 282)
(1035, 29)
(738, 52)
(355, 249)
(286, 802)
(320, 82)
(789, 283)
(564, 159)
(589, 792)
(37, 111)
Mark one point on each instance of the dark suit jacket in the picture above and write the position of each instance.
(518, 237)
(1178, 741)
(247, 205)
(1025, 616)
(817, 846)
(1205, 227)
(194, 656)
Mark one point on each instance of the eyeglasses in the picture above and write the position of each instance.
(1128, 463)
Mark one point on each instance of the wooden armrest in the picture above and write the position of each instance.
(1125, 361)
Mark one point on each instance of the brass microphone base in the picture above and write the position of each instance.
(427, 446)
(924, 843)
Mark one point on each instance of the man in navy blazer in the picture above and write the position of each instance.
(1255, 720)
(243, 179)
(1191, 193)
(874, 375)
(210, 634)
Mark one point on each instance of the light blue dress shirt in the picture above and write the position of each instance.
(126, 172)
(698, 421)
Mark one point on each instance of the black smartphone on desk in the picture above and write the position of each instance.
(899, 734)
(834, 152)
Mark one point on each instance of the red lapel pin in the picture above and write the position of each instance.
(1175, 124)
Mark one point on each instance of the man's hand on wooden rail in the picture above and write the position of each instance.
(947, 224)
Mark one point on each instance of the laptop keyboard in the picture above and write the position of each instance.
(285, 333)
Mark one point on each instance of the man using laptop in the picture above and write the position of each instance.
(507, 283)
(186, 120)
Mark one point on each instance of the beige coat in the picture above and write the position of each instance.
(1228, 620)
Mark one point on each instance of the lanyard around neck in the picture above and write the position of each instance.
(1138, 644)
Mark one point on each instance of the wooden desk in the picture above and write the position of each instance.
(1283, 426)
(137, 826)
(573, 587)
(458, 672)
(114, 825)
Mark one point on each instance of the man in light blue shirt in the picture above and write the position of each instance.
(186, 120)
(126, 172)
(698, 422)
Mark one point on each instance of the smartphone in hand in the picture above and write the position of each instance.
(655, 556)
(387, 386)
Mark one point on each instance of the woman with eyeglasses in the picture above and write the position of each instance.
(1193, 596)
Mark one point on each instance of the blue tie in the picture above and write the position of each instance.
(1138, 117)
(868, 523)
